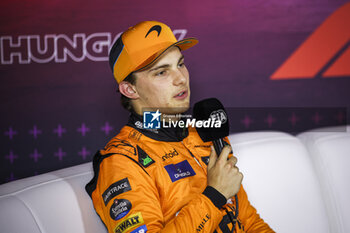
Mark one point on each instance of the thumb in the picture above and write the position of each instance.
(212, 158)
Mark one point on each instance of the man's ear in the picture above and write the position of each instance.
(128, 90)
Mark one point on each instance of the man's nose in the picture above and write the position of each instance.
(179, 78)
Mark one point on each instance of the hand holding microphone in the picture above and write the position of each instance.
(223, 175)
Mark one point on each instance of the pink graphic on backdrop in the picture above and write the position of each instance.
(60, 154)
(10, 133)
(340, 117)
(293, 119)
(106, 128)
(59, 130)
(247, 121)
(35, 155)
(84, 153)
(270, 120)
(11, 178)
(83, 129)
(35, 132)
(316, 118)
(11, 157)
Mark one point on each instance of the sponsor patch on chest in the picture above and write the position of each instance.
(144, 159)
(170, 154)
(179, 170)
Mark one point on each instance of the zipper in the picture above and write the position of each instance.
(192, 155)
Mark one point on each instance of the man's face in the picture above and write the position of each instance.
(165, 85)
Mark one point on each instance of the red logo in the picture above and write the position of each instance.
(326, 52)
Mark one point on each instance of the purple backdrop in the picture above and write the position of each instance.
(58, 99)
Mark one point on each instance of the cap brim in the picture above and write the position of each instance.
(182, 44)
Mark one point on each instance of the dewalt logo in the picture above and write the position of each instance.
(133, 221)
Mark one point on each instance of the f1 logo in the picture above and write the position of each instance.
(151, 120)
(326, 52)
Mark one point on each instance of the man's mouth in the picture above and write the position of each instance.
(181, 95)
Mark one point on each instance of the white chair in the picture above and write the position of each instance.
(280, 181)
(329, 149)
(55, 202)
(279, 177)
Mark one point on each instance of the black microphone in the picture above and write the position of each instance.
(213, 110)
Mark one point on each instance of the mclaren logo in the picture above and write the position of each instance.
(156, 28)
(326, 53)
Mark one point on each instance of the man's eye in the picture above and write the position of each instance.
(182, 64)
(161, 73)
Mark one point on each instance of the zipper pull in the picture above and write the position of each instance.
(197, 161)
(192, 155)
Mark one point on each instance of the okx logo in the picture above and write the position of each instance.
(151, 120)
(179, 170)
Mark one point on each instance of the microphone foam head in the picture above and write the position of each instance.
(211, 109)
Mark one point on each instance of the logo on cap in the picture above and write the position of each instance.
(156, 28)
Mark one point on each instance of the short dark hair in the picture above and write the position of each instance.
(126, 101)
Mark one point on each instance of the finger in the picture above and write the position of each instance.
(212, 158)
(240, 175)
(233, 160)
(235, 169)
(224, 154)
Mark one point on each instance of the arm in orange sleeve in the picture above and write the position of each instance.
(249, 217)
(143, 205)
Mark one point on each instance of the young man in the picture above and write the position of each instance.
(160, 180)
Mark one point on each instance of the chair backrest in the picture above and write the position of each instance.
(329, 150)
(50, 203)
(279, 177)
(280, 181)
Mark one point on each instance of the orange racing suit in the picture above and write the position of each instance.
(156, 181)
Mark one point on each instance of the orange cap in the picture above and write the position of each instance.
(141, 45)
